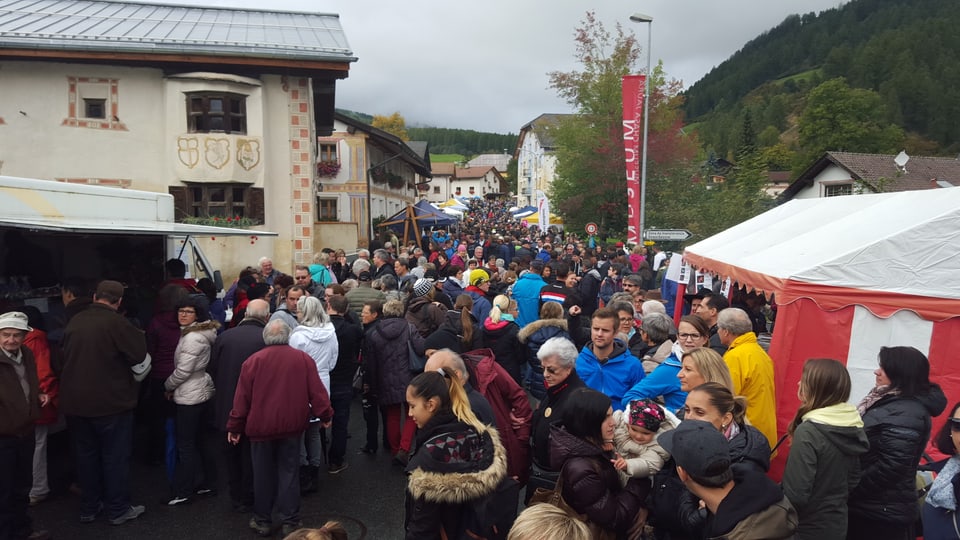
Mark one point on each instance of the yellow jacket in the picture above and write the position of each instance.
(752, 372)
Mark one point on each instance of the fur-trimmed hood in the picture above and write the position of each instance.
(449, 479)
(200, 326)
(540, 324)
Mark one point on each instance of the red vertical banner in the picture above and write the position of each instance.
(633, 88)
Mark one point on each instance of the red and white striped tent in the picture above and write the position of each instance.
(851, 274)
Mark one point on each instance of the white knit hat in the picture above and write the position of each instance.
(15, 319)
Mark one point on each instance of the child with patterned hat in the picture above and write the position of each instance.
(635, 438)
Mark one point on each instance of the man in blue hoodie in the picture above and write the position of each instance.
(526, 291)
(605, 363)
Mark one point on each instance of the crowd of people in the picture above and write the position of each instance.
(495, 364)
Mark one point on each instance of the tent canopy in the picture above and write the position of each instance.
(411, 221)
(453, 203)
(870, 250)
(534, 219)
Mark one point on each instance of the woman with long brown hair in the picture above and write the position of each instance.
(824, 461)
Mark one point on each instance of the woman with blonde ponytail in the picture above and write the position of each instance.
(457, 460)
(501, 335)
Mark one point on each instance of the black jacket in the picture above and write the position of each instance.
(898, 429)
(551, 410)
(452, 466)
(349, 338)
(386, 359)
(502, 339)
(591, 485)
(229, 352)
(535, 334)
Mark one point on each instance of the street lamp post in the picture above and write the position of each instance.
(641, 18)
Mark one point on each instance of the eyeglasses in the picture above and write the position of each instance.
(955, 424)
(688, 336)
(626, 319)
(186, 311)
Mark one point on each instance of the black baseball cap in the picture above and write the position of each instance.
(699, 448)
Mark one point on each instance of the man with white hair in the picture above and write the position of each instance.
(751, 370)
(268, 407)
(267, 271)
(20, 401)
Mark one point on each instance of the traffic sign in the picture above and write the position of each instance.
(591, 228)
(662, 235)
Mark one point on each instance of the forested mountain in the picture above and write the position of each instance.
(466, 142)
(899, 57)
(463, 141)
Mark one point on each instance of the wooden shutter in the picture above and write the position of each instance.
(181, 204)
(255, 206)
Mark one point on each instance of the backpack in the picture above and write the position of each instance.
(491, 517)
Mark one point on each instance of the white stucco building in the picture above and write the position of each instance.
(221, 108)
(536, 162)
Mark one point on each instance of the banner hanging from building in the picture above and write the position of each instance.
(633, 89)
(543, 210)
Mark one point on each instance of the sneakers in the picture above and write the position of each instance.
(336, 468)
(262, 529)
(37, 500)
(39, 535)
(90, 518)
(367, 450)
(132, 513)
(178, 501)
(205, 492)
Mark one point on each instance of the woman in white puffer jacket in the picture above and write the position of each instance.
(316, 336)
(191, 388)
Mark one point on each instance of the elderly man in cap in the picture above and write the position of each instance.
(743, 503)
(98, 394)
(20, 402)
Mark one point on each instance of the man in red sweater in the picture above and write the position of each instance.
(268, 408)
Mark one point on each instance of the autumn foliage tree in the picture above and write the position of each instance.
(591, 176)
(394, 124)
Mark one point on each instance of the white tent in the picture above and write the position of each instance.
(849, 275)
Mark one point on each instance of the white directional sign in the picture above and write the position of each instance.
(667, 234)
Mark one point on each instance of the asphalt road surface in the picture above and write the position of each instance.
(367, 498)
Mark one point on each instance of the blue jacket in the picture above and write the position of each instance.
(526, 291)
(481, 306)
(621, 372)
(662, 381)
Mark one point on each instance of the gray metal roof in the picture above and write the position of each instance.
(171, 29)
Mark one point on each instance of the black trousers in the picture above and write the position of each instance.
(276, 479)
(16, 478)
(239, 471)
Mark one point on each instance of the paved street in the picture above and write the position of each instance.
(367, 498)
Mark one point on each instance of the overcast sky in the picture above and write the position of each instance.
(484, 65)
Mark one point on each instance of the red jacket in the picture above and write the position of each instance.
(278, 389)
(36, 341)
(511, 407)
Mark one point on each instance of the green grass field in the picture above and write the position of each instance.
(445, 158)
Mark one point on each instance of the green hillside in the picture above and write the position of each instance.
(899, 57)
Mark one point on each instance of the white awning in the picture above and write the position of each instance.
(131, 227)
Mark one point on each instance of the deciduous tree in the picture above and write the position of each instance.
(394, 124)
